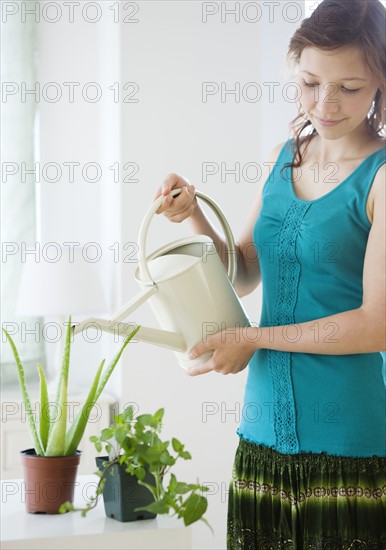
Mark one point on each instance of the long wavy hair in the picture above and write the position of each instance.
(334, 24)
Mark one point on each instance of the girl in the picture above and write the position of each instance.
(313, 473)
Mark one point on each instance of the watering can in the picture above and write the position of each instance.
(187, 288)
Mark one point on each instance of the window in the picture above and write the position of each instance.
(17, 196)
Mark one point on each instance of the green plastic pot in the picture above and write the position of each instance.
(122, 493)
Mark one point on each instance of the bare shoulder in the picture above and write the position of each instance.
(269, 162)
(379, 183)
(377, 196)
(273, 155)
(379, 180)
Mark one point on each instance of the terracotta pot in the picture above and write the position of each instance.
(49, 481)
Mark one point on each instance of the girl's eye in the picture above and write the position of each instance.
(313, 85)
(349, 90)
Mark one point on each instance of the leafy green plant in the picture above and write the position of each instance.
(51, 437)
(135, 444)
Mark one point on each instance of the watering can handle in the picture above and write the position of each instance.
(145, 273)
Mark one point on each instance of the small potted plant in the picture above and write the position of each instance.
(135, 477)
(50, 467)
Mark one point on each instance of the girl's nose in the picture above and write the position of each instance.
(328, 98)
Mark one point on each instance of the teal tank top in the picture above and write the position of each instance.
(311, 255)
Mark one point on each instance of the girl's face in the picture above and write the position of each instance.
(337, 90)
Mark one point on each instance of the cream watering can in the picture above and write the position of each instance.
(187, 288)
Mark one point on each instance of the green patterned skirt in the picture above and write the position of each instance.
(306, 501)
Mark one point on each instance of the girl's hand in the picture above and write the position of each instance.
(232, 350)
(176, 209)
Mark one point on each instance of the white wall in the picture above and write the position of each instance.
(169, 53)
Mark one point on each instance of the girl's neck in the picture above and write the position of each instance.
(356, 145)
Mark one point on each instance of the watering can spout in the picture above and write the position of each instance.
(157, 337)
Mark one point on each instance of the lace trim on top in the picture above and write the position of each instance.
(283, 314)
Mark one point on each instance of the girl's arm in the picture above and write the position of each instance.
(186, 206)
(361, 330)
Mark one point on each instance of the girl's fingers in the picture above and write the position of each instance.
(181, 216)
(179, 207)
(166, 202)
(173, 181)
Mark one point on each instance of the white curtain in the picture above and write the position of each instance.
(17, 197)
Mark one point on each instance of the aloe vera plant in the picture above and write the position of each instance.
(51, 437)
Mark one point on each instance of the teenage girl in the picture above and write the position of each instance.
(313, 474)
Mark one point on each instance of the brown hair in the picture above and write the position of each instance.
(332, 25)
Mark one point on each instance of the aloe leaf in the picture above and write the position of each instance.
(63, 375)
(44, 427)
(56, 445)
(111, 367)
(30, 417)
(76, 431)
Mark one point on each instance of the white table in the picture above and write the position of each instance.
(20, 530)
